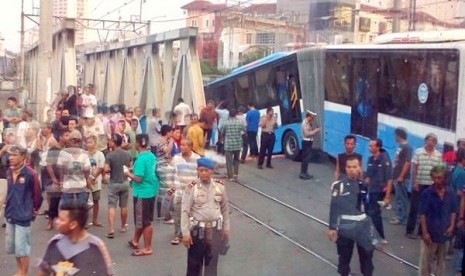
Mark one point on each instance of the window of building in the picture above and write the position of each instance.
(194, 23)
(248, 39)
(265, 38)
(206, 23)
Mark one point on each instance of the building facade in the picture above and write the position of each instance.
(73, 9)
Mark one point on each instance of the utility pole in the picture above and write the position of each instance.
(21, 51)
(396, 16)
(44, 74)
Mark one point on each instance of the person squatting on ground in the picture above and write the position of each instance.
(348, 196)
(118, 187)
(23, 202)
(204, 220)
(267, 139)
(308, 131)
(74, 251)
(144, 185)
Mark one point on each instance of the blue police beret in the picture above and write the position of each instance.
(206, 162)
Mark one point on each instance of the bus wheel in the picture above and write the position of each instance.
(291, 147)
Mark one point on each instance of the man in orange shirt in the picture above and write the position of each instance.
(196, 134)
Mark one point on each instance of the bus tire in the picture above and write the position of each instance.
(291, 147)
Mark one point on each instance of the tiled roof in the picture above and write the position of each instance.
(260, 9)
(203, 6)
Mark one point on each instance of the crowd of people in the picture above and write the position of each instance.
(65, 161)
(425, 183)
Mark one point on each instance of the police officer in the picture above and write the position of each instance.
(308, 131)
(204, 220)
(347, 197)
(378, 177)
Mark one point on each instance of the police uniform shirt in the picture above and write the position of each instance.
(379, 171)
(204, 202)
(347, 196)
(307, 129)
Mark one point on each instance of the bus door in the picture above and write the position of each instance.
(364, 104)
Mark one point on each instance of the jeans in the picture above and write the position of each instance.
(306, 156)
(374, 211)
(232, 162)
(401, 199)
(252, 140)
(80, 198)
(413, 213)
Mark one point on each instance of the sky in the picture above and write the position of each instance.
(164, 11)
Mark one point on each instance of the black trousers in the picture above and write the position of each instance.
(203, 253)
(306, 156)
(266, 148)
(345, 248)
(245, 147)
(373, 210)
(252, 139)
(413, 213)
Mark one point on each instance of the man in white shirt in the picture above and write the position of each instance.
(181, 110)
(89, 101)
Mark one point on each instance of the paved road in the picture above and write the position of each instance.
(254, 249)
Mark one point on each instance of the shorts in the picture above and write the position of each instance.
(18, 240)
(118, 192)
(143, 211)
(96, 196)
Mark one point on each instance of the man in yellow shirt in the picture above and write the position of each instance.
(197, 135)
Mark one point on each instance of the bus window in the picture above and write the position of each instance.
(337, 78)
(243, 92)
(264, 93)
(364, 118)
(432, 74)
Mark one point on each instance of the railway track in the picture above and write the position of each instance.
(309, 218)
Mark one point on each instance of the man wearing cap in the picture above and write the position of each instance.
(308, 131)
(204, 220)
(22, 205)
(423, 161)
(75, 167)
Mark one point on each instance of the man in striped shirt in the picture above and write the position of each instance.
(185, 164)
(423, 161)
(232, 130)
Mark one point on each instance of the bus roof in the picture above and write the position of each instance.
(422, 37)
(254, 65)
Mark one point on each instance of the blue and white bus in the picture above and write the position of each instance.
(365, 90)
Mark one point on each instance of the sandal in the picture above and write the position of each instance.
(125, 228)
(110, 235)
(175, 241)
(140, 252)
(133, 245)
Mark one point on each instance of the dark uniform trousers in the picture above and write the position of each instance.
(373, 209)
(306, 155)
(204, 251)
(345, 248)
(267, 140)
